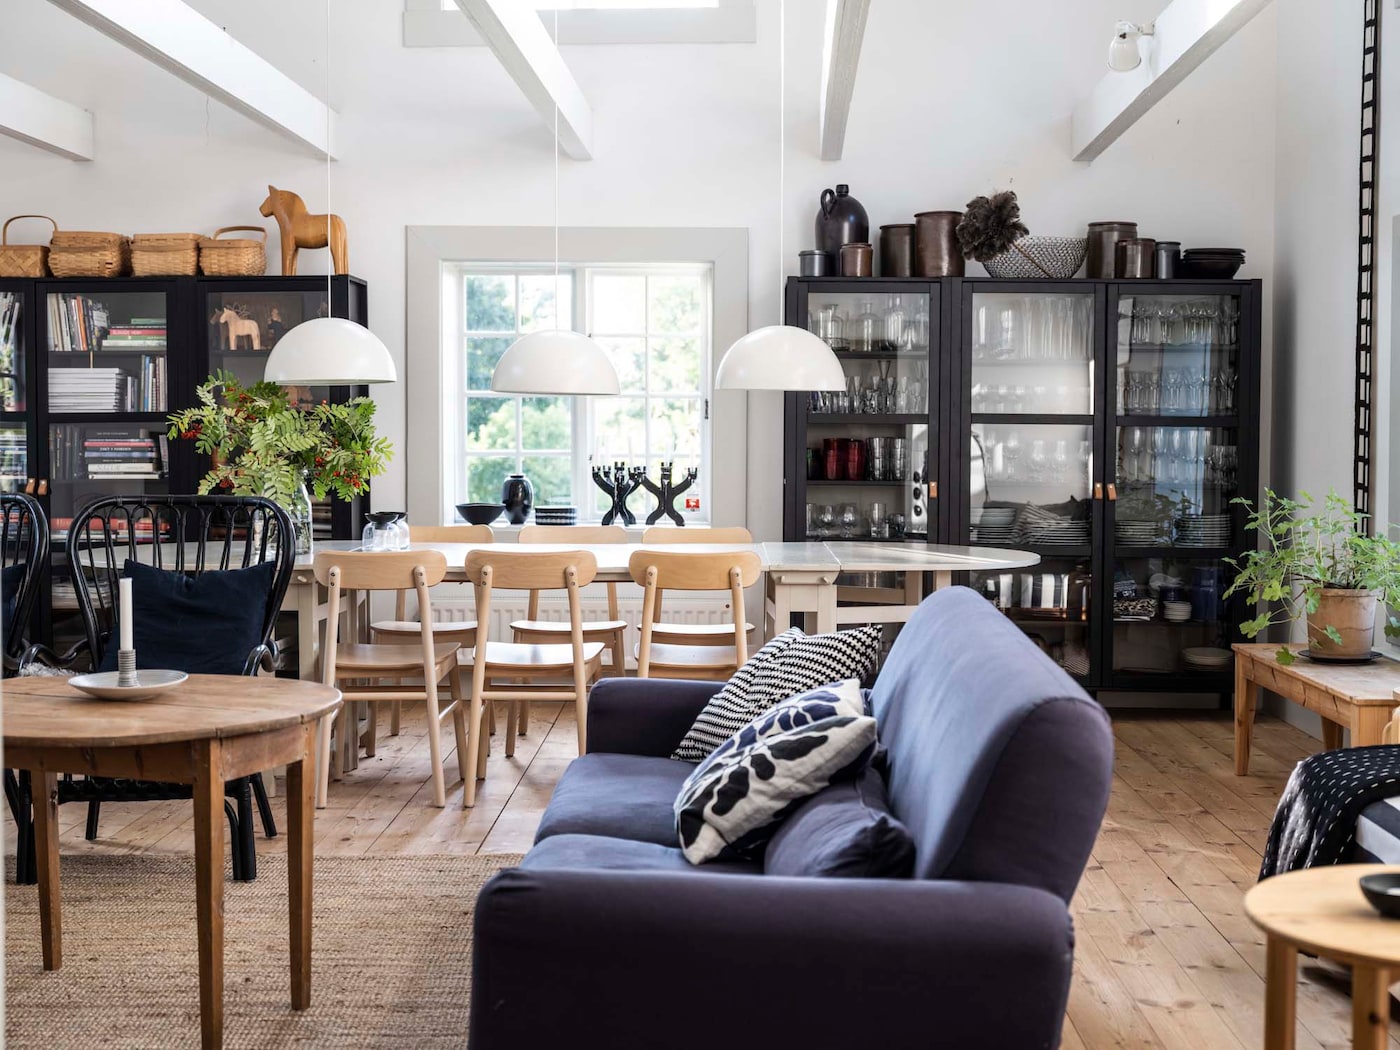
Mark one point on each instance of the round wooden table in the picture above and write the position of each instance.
(1322, 911)
(210, 729)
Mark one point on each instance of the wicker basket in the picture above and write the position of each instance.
(78, 253)
(1057, 257)
(165, 254)
(23, 260)
(235, 257)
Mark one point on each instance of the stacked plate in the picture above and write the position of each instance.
(556, 515)
(1206, 658)
(1137, 532)
(1203, 530)
(1176, 612)
(995, 525)
(1063, 533)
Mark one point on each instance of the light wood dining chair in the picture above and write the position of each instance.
(702, 634)
(401, 630)
(347, 664)
(521, 672)
(658, 570)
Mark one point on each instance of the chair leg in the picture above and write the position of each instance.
(235, 855)
(323, 760)
(491, 715)
(473, 766)
(459, 725)
(371, 730)
(512, 712)
(617, 662)
(395, 717)
(94, 812)
(242, 842)
(435, 747)
(581, 715)
(269, 822)
(18, 794)
(484, 751)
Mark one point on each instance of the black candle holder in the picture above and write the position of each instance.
(619, 483)
(667, 492)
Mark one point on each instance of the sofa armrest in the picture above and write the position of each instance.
(632, 959)
(644, 716)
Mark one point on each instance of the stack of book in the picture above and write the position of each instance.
(14, 460)
(88, 389)
(11, 353)
(121, 455)
(76, 323)
(139, 333)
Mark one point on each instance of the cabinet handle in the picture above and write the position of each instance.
(1098, 490)
(1112, 492)
(43, 486)
(933, 490)
(29, 486)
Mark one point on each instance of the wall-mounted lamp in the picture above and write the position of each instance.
(1123, 53)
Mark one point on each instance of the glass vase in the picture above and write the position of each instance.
(299, 507)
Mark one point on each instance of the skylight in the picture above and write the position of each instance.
(607, 5)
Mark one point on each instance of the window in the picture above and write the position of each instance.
(653, 321)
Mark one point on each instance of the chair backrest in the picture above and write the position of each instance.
(24, 564)
(531, 570)
(176, 533)
(697, 534)
(682, 571)
(451, 534)
(572, 534)
(999, 763)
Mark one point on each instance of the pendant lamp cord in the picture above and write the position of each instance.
(782, 141)
(557, 302)
(330, 268)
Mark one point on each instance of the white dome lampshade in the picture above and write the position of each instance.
(330, 351)
(780, 357)
(555, 361)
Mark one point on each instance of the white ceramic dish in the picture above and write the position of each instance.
(149, 682)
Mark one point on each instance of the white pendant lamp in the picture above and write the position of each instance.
(329, 351)
(557, 361)
(780, 356)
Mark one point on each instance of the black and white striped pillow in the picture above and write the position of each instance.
(790, 664)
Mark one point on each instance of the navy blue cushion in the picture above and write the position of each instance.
(200, 623)
(616, 796)
(845, 830)
(11, 578)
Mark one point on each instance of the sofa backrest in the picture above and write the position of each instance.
(999, 763)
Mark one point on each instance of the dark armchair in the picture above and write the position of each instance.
(182, 534)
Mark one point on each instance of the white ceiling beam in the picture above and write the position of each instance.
(845, 29)
(515, 33)
(31, 116)
(182, 41)
(1187, 32)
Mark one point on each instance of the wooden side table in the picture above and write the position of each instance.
(210, 729)
(1322, 911)
(1359, 697)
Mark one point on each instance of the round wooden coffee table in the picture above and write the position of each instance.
(210, 729)
(1321, 910)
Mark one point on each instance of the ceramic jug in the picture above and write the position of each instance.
(841, 219)
(519, 497)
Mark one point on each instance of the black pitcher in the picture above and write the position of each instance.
(841, 220)
(519, 497)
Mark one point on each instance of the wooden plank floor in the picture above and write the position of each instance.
(1164, 958)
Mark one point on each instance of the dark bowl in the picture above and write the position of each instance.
(481, 513)
(1383, 893)
(1210, 268)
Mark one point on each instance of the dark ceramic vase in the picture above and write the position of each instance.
(519, 497)
(841, 219)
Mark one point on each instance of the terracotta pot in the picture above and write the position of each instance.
(1352, 613)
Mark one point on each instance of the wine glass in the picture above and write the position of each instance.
(1011, 449)
(1039, 461)
(1061, 460)
(849, 521)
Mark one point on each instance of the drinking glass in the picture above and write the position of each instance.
(1061, 460)
(849, 521)
(1039, 461)
(1136, 444)
(879, 528)
(826, 520)
(1011, 449)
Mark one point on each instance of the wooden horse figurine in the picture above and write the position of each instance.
(300, 229)
(239, 327)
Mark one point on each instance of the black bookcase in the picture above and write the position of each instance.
(90, 370)
(1105, 425)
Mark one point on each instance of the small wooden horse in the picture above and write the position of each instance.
(239, 327)
(300, 229)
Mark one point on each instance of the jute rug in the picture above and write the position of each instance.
(391, 955)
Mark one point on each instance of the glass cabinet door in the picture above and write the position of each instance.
(1030, 470)
(13, 381)
(1176, 451)
(14, 458)
(867, 458)
(107, 352)
(244, 326)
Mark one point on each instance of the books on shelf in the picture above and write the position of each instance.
(137, 387)
(96, 454)
(82, 324)
(14, 457)
(11, 353)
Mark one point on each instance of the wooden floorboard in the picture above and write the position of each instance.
(1164, 958)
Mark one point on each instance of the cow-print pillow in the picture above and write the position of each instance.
(790, 664)
(734, 800)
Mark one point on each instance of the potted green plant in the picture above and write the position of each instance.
(1321, 565)
(263, 445)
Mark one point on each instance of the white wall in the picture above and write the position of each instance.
(952, 100)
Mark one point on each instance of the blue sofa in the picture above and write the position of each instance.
(999, 766)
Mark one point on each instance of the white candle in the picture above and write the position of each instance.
(124, 613)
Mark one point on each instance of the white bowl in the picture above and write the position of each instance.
(149, 682)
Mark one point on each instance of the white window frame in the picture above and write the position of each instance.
(434, 346)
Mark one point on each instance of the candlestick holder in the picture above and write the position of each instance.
(667, 492)
(126, 668)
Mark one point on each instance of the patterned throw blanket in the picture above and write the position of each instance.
(1315, 823)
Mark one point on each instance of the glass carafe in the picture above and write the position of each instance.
(916, 331)
(380, 533)
(867, 330)
(830, 325)
(896, 323)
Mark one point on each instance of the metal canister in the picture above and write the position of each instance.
(1103, 241)
(897, 250)
(1135, 257)
(1168, 255)
(937, 252)
(814, 263)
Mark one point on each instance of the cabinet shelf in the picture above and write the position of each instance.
(921, 354)
(898, 419)
(1030, 419)
(1190, 422)
(866, 482)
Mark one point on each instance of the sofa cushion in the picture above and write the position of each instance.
(790, 664)
(596, 852)
(621, 796)
(731, 804)
(999, 763)
(201, 623)
(845, 830)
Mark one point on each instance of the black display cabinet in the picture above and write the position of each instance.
(1104, 425)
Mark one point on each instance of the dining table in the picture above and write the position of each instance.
(204, 731)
